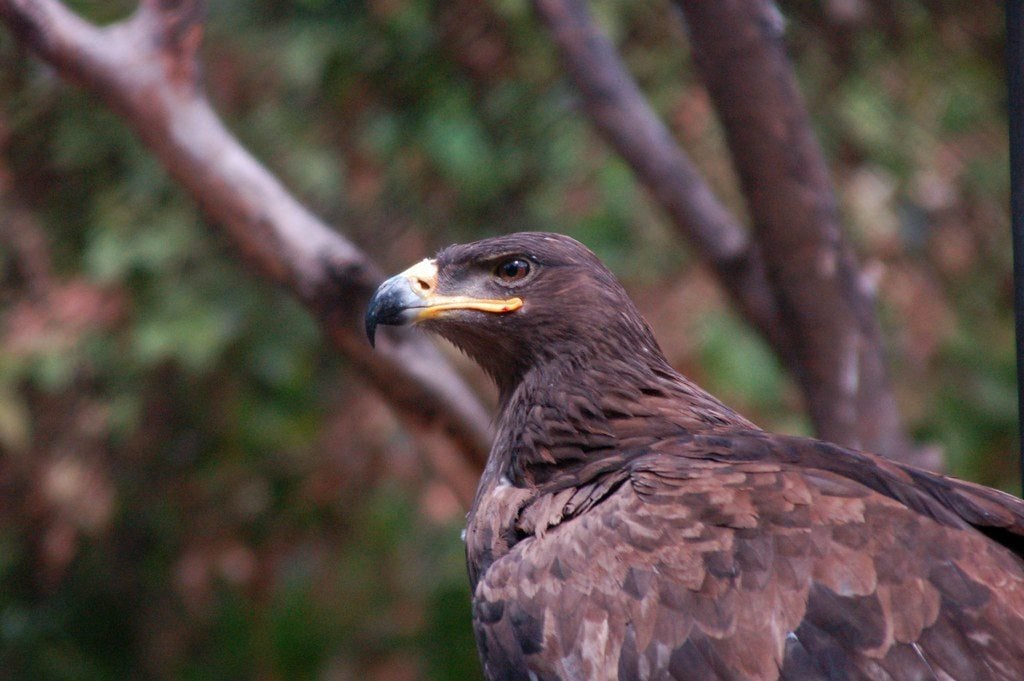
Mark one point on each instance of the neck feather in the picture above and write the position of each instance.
(577, 416)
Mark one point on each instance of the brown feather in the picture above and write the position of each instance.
(629, 525)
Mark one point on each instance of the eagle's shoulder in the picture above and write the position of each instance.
(672, 564)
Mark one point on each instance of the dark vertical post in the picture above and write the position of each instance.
(1015, 91)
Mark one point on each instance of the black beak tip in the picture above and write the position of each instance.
(373, 318)
(371, 328)
(389, 306)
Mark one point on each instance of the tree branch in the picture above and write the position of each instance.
(144, 68)
(796, 282)
(814, 274)
(618, 109)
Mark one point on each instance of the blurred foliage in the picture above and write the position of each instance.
(192, 486)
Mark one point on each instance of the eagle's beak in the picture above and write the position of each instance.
(412, 296)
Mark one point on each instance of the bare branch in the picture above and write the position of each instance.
(835, 332)
(797, 281)
(143, 68)
(177, 28)
(621, 113)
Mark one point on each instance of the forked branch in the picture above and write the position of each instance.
(793, 278)
(836, 338)
(145, 69)
(621, 113)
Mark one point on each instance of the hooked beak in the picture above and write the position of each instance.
(412, 296)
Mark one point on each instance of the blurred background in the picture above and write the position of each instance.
(192, 483)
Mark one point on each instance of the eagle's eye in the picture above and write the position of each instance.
(513, 269)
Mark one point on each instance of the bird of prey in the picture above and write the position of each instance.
(628, 525)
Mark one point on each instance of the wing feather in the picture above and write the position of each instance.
(753, 556)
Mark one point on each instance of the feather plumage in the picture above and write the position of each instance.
(629, 525)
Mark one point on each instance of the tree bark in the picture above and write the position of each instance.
(145, 69)
(794, 279)
(614, 103)
(837, 342)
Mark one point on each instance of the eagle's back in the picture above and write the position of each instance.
(630, 525)
(752, 556)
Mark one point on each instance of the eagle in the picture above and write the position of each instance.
(629, 525)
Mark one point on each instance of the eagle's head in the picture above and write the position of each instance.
(511, 302)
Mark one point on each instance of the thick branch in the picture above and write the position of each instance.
(144, 69)
(797, 282)
(834, 330)
(614, 103)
